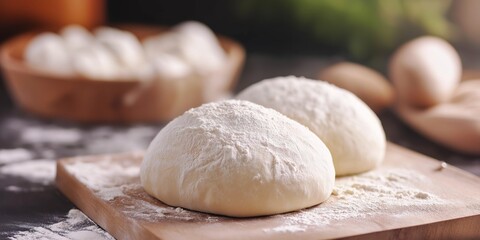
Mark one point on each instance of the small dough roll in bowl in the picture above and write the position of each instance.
(350, 129)
(124, 99)
(238, 159)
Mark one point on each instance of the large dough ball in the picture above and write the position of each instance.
(237, 158)
(349, 128)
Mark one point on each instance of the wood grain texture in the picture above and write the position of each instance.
(458, 218)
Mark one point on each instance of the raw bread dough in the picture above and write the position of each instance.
(349, 128)
(239, 159)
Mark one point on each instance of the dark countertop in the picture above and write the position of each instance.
(42, 204)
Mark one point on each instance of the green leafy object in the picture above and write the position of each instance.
(364, 29)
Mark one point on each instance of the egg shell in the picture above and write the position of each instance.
(425, 71)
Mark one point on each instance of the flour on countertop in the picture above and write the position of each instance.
(75, 226)
(53, 141)
(106, 140)
(14, 155)
(18, 189)
(37, 171)
(51, 135)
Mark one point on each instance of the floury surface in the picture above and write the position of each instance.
(30, 202)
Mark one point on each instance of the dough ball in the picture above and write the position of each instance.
(48, 52)
(76, 37)
(194, 43)
(239, 159)
(349, 128)
(97, 62)
(164, 43)
(200, 47)
(124, 46)
(169, 67)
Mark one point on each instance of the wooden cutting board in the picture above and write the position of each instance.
(408, 197)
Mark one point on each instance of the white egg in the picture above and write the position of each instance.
(97, 62)
(48, 52)
(124, 46)
(169, 66)
(165, 43)
(76, 37)
(200, 47)
(425, 71)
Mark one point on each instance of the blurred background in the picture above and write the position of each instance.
(364, 31)
(281, 37)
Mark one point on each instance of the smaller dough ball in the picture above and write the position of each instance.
(76, 37)
(124, 46)
(164, 43)
(97, 62)
(425, 71)
(368, 84)
(170, 67)
(238, 159)
(192, 41)
(200, 47)
(350, 129)
(48, 52)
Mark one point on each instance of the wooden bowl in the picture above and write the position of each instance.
(123, 101)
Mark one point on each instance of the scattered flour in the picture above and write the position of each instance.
(377, 192)
(106, 140)
(14, 155)
(51, 135)
(286, 229)
(14, 189)
(76, 226)
(369, 194)
(373, 193)
(109, 180)
(17, 189)
(71, 140)
(110, 193)
(103, 174)
(37, 171)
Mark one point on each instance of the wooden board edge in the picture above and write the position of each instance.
(459, 228)
(75, 191)
(463, 228)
